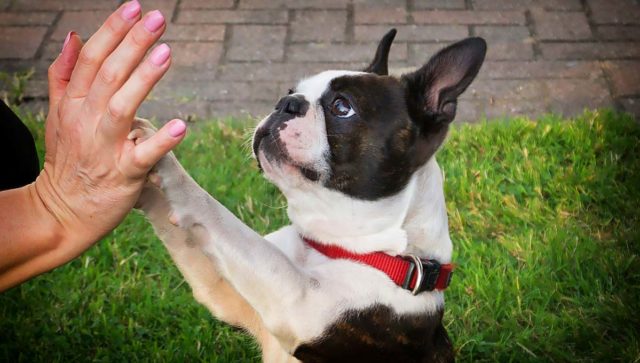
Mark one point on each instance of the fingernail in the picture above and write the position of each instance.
(177, 128)
(131, 10)
(160, 55)
(66, 40)
(154, 21)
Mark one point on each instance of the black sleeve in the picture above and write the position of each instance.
(19, 163)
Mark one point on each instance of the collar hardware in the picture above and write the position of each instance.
(409, 272)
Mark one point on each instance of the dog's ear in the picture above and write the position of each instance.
(432, 91)
(380, 62)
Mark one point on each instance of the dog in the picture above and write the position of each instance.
(358, 275)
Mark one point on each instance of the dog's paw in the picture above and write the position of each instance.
(141, 130)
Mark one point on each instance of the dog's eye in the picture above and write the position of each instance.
(290, 91)
(341, 108)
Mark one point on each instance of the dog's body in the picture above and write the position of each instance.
(353, 152)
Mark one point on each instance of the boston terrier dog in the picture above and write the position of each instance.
(358, 275)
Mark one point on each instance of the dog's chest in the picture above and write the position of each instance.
(377, 334)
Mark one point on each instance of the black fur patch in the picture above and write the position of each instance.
(375, 152)
(378, 334)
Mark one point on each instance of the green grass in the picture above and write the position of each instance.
(544, 219)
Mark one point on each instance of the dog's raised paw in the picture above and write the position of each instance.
(141, 130)
(173, 218)
(155, 179)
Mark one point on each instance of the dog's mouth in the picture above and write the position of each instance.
(274, 151)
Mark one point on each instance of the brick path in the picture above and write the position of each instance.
(233, 57)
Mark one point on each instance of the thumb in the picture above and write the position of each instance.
(149, 152)
(61, 69)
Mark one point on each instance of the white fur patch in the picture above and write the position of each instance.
(313, 88)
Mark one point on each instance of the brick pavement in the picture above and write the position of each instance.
(237, 57)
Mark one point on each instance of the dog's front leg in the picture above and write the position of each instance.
(261, 273)
(208, 286)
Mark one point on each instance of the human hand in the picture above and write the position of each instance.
(92, 173)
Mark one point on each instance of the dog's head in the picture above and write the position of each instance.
(365, 133)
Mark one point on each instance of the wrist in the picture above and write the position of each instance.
(57, 217)
(38, 194)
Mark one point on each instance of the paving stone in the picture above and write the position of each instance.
(439, 4)
(469, 111)
(381, 3)
(25, 65)
(590, 50)
(324, 52)
(163, 110)
(526, 89)
(39, 5)
(540, 69)
(497, 50)
(493, 109)
(454, 17)
(507, 42)
(27, 18)
(571, 98)
(166, 7)
(257, 42)
(292, 4)
(319, 25)
(245, 76)
(37, 88)
(525, 4)
(412, 32)
(554, 25)
(223, 91)
(252, 111)
(624, 77)
(204, 56)
(367, 14)
(20, 42)
(558, 4)
(632, 106)
(618, 32)
(419, 53)
(50, 50)
(503, 33)
(268, 17)
(614, 11)
(505, 50)
(85, 23)
(196, 33)
(206, 4)
(288, 73)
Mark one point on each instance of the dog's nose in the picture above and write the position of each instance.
(293, 104)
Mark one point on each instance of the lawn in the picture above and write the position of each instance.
(546, 230)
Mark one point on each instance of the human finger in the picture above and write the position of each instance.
(59, 74)
(100, 45)
(123, 105)
(60, 70)
(125, 58)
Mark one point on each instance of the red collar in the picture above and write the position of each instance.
(405, 271)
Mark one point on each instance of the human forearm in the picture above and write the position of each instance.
(31, 239)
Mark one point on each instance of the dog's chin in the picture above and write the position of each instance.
(280, 168)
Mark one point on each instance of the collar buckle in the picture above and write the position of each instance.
(428, 275)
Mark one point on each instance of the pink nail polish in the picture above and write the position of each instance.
(160, 55)
(66, 40)
(131, 10)
(177, 128)
(154, 21)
